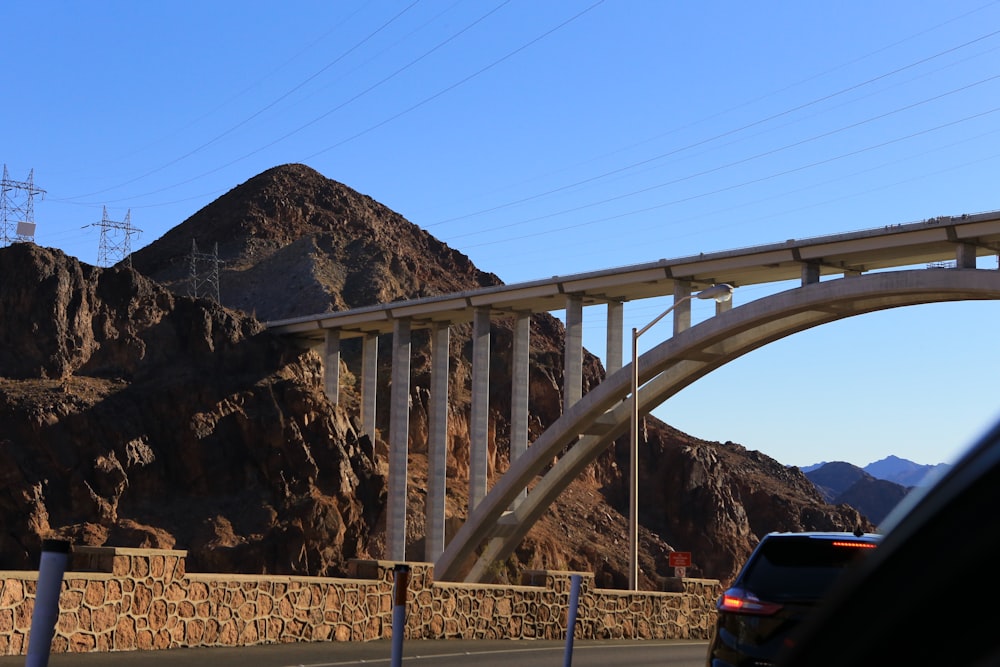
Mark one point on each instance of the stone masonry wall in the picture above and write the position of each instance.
(117, 599)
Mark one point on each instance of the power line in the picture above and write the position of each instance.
(721, 135)
(735, 186)
(249, 118)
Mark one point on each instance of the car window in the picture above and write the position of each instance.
(797, 568)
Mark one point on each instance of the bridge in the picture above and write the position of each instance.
(832, 277)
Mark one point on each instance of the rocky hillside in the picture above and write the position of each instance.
(134, 417)
(250, 467)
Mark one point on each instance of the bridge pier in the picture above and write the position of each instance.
(615, 337)
(331, 365)
(682, 307)
(437, 447)
(573, 353)
(519, 379)
(369, 380)
(399, 435)
(965, 255)
(479, 416)
(810, 273)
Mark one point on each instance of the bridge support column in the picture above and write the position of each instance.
(437, 447)
(965, 256)
(615, 336)
(810, 273)
(399, 431)
(331, 365)
(480, 410)
(519, 391)
(573, 353)
(369, 381)
(682, 306)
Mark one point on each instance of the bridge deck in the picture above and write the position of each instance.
(933, 240)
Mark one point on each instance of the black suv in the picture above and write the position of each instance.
(784, 578)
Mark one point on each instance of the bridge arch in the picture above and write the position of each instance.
(592, 424)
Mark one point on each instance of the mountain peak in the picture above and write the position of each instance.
(291, 242)
(902, 471)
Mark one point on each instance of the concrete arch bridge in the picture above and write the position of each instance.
(838, 276)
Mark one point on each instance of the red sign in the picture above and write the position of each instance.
(680, 559)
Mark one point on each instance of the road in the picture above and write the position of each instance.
(416, 653)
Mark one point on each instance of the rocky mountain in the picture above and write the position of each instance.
(133, 414)
(842, 483)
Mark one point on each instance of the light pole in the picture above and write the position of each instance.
(721, 292)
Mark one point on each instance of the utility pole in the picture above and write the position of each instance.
(114, 249)
(17, 209)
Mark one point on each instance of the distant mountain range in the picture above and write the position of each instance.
(894, 469)
(873, 490)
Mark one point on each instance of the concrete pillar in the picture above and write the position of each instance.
(331, 365)
(369, 381)
(573, 354)
(480, 410)
(810, 273)
(437, 447)
(399, 432)
(965, 256)
(615, 337)
(682, 306)
(519, 379)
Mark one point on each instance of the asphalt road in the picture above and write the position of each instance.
(416, 653)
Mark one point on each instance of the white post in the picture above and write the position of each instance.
(401, 577)
(574, 605)
(55, 559)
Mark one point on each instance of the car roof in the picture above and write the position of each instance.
(820, 535)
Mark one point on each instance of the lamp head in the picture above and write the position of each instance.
(720, 292)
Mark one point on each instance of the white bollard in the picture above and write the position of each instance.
(55, 559)
(574, 604)
(401, 576)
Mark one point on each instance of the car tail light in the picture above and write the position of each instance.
(855, 545)
(739, 601)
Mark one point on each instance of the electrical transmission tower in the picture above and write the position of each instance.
(116, 240)
(208, 285)
(17, 208)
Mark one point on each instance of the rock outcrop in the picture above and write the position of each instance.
(132, 416)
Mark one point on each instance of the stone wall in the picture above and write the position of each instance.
(117, 599)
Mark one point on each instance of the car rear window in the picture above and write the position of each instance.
(798, 568)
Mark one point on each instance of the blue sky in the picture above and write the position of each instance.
(545, 138)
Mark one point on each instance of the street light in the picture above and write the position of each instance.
(720, 293)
